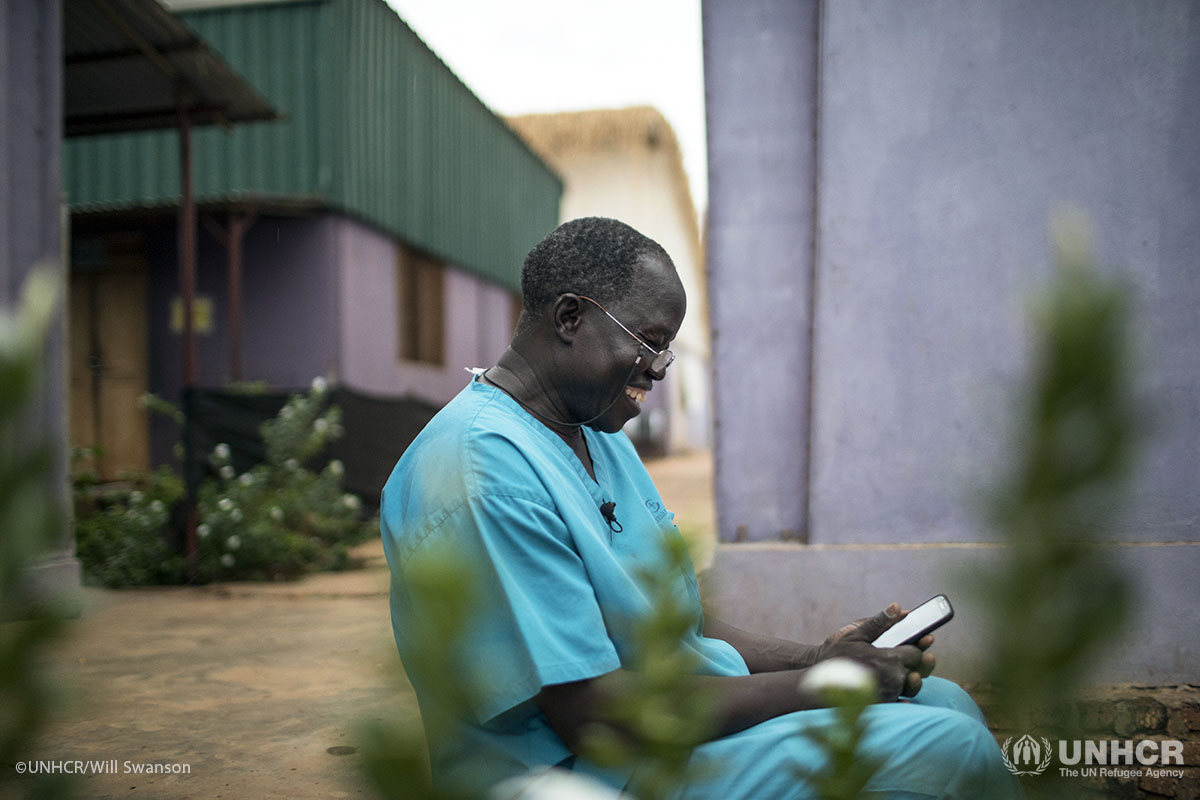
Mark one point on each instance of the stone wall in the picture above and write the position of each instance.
(1125, 712)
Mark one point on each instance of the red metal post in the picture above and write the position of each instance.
(187, 285)
(187, 247)
(237, 229)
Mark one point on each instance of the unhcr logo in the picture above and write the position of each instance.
(1029, 756)
(1102, 758)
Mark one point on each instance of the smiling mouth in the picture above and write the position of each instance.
(636, 395)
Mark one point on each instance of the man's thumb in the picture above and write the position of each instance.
(873, 626)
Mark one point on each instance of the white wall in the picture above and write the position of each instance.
(635, 185)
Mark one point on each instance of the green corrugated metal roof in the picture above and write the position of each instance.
(376, 126)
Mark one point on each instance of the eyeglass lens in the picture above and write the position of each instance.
(660, 362)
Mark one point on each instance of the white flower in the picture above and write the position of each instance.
(227, 472)
(157, 506)
(291, 464)
(224, 504)
(277, 514)
(227, 560)
(319, 385)
(236, 515)
(321, 425)
(548, 783)
(286, 412)
(136, 497)
(221, 451)
(233, 542)
(350, 501)
(245, 479)
(336, 467)
(838, 674)
(202, 530)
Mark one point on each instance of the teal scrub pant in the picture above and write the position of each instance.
(935, 745)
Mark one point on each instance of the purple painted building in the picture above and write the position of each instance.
(373, 237)
(882, 176)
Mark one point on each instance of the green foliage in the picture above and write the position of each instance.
(276, 520)
(394, 755)
(280, 519)
(28, 520)
(1057, 598)
(662, 716)
(157, 405)
(248, 387)
(846, 771)
(120, 533)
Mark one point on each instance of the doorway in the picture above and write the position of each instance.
(109, 352)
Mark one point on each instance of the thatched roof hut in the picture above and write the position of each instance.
(553, 136)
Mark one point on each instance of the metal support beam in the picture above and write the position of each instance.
(231, 239)
(187, 288)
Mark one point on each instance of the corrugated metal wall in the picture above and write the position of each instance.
(377, 126)
(425, 159)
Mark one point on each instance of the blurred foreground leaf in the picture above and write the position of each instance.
(29, 518)
(1056, 597)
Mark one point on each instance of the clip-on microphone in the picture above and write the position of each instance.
(609, 511)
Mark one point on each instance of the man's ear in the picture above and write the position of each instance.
(566, 315)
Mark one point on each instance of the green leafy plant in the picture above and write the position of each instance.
(280, 519)
(662, 716)
(1075, 446)
(28, 519)
(847, 688)
(1056, 597)
(120, 534)
(276, 520)
(394, 754)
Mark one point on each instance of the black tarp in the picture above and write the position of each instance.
(377, 431)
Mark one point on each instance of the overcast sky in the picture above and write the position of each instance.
(528, 56)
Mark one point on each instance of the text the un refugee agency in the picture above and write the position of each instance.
(1082, 758)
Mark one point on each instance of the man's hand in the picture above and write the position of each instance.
(898, 670)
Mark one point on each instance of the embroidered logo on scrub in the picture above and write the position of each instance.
(657, 510)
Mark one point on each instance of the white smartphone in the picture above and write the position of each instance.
(933, 613)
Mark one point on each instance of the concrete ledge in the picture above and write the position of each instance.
(805, 592)
(53, 581)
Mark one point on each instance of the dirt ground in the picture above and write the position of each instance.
(258, 690)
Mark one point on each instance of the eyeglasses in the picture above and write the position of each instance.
(662, 358)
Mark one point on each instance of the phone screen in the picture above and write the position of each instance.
(920, 621)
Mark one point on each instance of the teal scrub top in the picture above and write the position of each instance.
(557, 585)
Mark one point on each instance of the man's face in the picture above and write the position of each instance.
(607, 375)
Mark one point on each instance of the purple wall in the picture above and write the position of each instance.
(319, 298)
(290, 301)
(760, 71)
(288, 305)
(31, 233)
(478, 321)
(947, 134)
(288, 311)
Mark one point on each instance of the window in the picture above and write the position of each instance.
(420, 307)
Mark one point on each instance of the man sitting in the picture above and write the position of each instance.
(527, 476)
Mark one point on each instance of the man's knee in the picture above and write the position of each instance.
(964, 754)
(941, 693)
